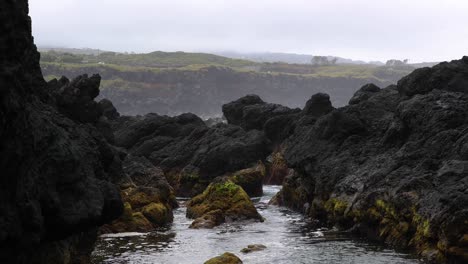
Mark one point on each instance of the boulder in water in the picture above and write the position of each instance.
(231, 201)
(226, 258)
(253, 247)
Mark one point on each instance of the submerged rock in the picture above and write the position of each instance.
(222, 201)
(252, 248)
(226, 258)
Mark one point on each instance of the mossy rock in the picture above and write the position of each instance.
(226, 258)
(251, 179)
(129, 222)
(253, 248)
(158, 213)
(226, 196)
(141, 196)
(144, 210)
(208, 220)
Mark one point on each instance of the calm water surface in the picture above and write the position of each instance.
(287, 235)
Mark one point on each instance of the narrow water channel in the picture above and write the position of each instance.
(287, 235)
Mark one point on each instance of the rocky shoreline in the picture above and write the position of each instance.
(392, 165)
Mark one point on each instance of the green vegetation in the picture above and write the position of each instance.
(156, 62)
(157, 59)
(226, 258)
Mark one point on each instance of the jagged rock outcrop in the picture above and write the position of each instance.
(446, 76)
(392, 165)
(174, 91)
(222, 201)
(364, 93)
(251, 112)
(56, 167)
(108, 109)
(276, 121)
(148, 198)
(189, 152)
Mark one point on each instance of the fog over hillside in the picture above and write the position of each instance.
(360, 30)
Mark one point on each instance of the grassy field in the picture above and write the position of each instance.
(161, 61)
(156, 59)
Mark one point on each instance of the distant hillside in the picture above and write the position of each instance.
(176, 82)
(83, 51)
(288, 58)
(156, 59)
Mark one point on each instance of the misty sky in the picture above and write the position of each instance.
(420, 30)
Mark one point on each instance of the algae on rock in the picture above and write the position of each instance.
(223, 200)
(226, 258)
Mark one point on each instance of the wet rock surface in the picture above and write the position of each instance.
(253, 248)
(222, 201)
(391, 165)
(226, 258)
(57, 168)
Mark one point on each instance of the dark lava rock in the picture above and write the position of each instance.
(76, 98)
(56, 167)
(446, 76)
(392, 165)
(250, 112)
(108, 109)
(318, 105)
(279, 128)
(233, 111)
(190, 153)
(364, 93)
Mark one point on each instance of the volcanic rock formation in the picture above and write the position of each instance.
(190, 153)
(56, 167)
(393, 165)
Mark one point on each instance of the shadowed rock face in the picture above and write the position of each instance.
(393, 165)
(189, 152)
(148, 198)
(251, 112)
(277, 122)
(56, 167)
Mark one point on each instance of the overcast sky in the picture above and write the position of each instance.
(420, 30)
